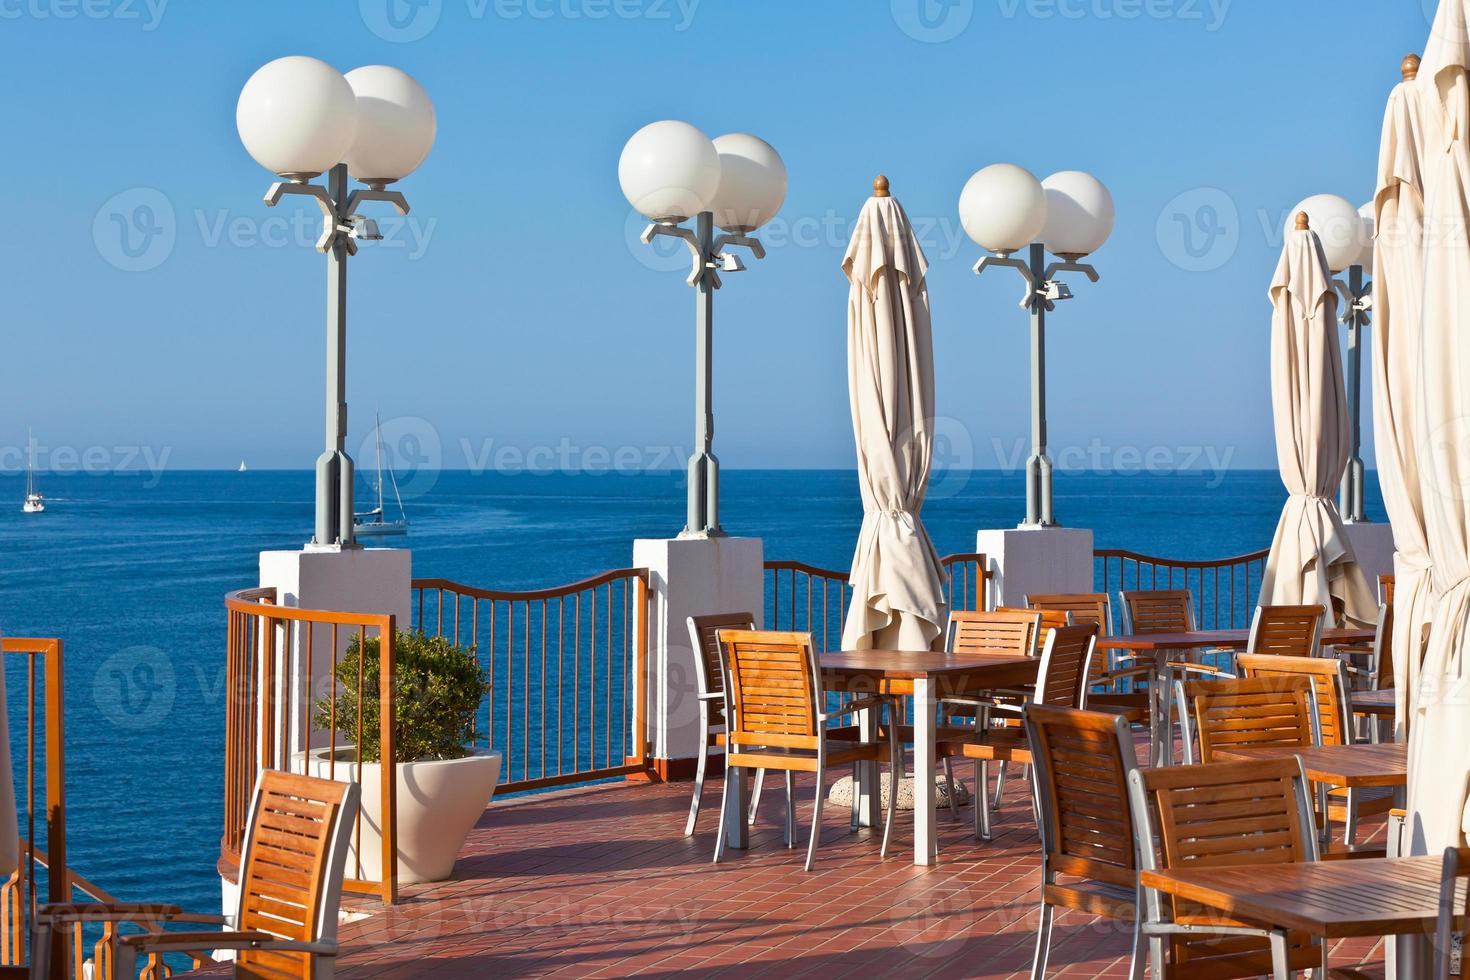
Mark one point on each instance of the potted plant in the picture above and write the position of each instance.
(443, 785)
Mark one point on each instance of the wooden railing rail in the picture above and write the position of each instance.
(568, 673)
(1225, 589)
(280, 661)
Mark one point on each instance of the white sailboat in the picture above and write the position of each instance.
(35, 503)
(372, 524)
(242, 467)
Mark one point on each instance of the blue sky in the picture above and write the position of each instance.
(515, 310)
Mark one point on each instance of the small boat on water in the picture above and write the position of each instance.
(372, 523)
(35, 503)
(242, 467)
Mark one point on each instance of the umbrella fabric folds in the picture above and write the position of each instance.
(1410, 135)
(897, 581)
(1311, 560)
(1439, 730)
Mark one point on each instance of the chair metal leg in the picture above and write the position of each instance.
(1279, 962)
(1185, 732)
(790, 809)
(755, 795)
(852, 817)
(730, 774)
(1043, 943)
(1139, 956)
(1000, 783)
(1350, 818)
(699, 770)
(982, 799)
(811, 849)
(895, 759)
(954, 810)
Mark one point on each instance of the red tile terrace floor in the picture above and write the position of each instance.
(600, 882)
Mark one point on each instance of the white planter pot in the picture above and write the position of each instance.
(439, 802)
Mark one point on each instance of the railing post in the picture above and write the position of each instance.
(642, 602)
(58, 876)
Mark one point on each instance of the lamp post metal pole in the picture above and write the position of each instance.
(334, 471)
(1351, 494)
(704, 467)
(1038, 466)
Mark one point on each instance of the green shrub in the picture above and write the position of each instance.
(437, 689)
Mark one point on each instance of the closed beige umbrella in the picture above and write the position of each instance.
(897, 581)
(1439, 729)
(1410, 131)
(1311, 560)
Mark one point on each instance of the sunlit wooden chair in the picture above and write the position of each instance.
(291, 871)
(1061, 679)
(1082, 607)
(1088, 861)
(994, 634)
(778, 720)
(1253, 712)
(1372, 667)
(1385, 589)
(710, 690)
(1451, 920)
(1333, 701)
(1292, 631)
(1254, 814)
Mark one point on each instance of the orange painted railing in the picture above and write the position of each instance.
(568, 673)
(280, 661)
(810, 599)
(1225, 589)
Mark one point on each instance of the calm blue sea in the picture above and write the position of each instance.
(130, 571)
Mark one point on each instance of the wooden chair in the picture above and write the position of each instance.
(1000, 633)
(1088, 862)
(1385, 589)
(1094, 607)
(1061, 679)
(285, 923)
(710, 689)
(1168, 611)
(1292, 631)
(1230, 813)
(1451, 920)
(778, 720)
(1372, 667)
(1082, 607)
(1254, 712)
(1051, 619)
(1334, 726)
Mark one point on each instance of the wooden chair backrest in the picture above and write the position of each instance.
(1085, 607)
(1158, 611)
(1292, 631)
(1329, 688)
(1062, 678)
(704, 636)
(771, 688)
(1252, 712)
(993, 633)
(1082, 761)
(1456, 866)
(292, 867)
(1385, 589)
(1051, 619)
(1383, 649)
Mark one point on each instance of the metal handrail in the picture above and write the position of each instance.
(1224, 589)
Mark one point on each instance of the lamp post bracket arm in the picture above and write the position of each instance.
(395, 198)
(1082, 267)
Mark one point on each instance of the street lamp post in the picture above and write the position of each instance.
(1004, 208)
(300, 118)
(670, 172)
(1347, 243)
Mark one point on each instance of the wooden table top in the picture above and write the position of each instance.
(1338, 765)
(896, 670)
(1221, 639)
(1332, 899)
(1373, 702)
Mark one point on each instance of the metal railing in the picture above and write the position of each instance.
(1225, 590)
(567, 669)
(277, 658)
(806, 598)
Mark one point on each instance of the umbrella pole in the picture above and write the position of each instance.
(1352, 479)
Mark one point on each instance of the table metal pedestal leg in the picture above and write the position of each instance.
(867, 783)
(925, 840)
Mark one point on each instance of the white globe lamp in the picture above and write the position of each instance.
(1338, 225)
(297, 117)
(669, 171)
(1079, 214)
(1003, 208)
(752, 184)
(1370, 231)
(396, 125)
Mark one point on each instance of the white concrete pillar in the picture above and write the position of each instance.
(356, 580)
(1373, 545)
(690, 577)
(1030, 560)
